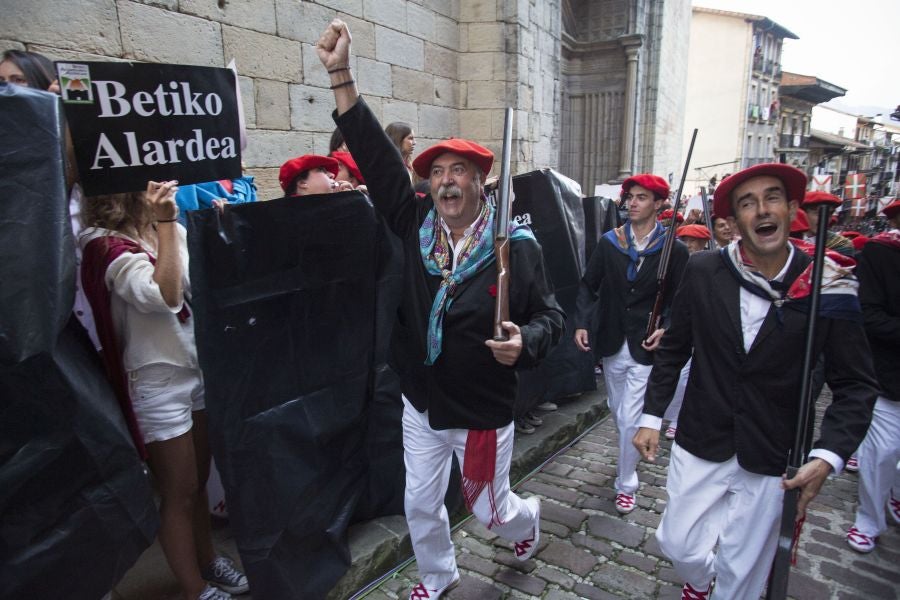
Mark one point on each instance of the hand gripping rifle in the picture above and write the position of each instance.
(666, 253)
(789, 532)
(501, 233)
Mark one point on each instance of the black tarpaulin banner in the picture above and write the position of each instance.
(75, 499)
(292, 334)
(36, 245)
(600, 215)
(136, 122)
(551, 204)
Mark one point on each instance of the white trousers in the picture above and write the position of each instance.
(720, 503)
(675, 405)
(878, 455)
(427, 454)
(626, 382)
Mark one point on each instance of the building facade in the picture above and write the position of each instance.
(734, 67)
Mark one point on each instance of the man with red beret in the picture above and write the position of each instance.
(308, 174)
(458, 386)
(879, 294)
(615, 299)
(740, 316)
(833, 241)
(666, 217)
(348, 170)
(694, 236)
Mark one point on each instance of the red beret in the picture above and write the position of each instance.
(891, 209)
(654, 183)
(850, 235)
(476, 153)
(667, 214)
(694, 230)
(816, 198)
(294, 167)
(800, 223)
(794, 181)
(858, 242)
(347, 161)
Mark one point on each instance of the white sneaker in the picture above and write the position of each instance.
(547, 406)
(420, 592)
(526, 548)
(894, 508)
(860, 541)
(624, 503)
(670, 432)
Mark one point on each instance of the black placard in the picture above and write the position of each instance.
(134, 122)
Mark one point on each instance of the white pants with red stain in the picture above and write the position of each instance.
(720, 503)
(427, 454)
(626, 382)
(878, 455)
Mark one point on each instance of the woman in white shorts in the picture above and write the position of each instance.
(134, 272)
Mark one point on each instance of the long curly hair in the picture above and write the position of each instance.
(126, 212)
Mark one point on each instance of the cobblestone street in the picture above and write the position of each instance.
(587, 550)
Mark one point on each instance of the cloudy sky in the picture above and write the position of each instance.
(854, 45)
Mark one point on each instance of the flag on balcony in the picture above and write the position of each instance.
(855, 186)
(859, 206)
(820, 183)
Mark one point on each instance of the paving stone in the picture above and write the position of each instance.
(838, 541)
(559, 469)
(588, 591)
(471, 588)
(803, 587)
(616, 530)
(862, 582)
(548, 491)
(668, 592)
(563, 482)
(573, 461)
(560, 531)
(651, 546)
(637, 585)
(668, 574)
(888, 574)
(555, 576)
(506, 558)
(822, 550)
(559, 595)
(588, 477)
(642, 563)
(570, 517)
(568, 557)
(477, 547)
(523, 583)
(466, 560)
(597, 547)
(480, 531)
(599, 492)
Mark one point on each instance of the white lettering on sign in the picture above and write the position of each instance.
(154, 152)
(522, 219)
(178, 101)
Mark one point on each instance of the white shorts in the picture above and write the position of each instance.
(163, 397)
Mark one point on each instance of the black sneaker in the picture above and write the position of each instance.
(223, 574)
(533, 419)
(523, 426)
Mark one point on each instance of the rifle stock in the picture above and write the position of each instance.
(501, 233)
(666, 253)
(789, 528)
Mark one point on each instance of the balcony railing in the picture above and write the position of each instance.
(789, 140)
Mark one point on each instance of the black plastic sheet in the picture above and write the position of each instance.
(600, 215)
(551, 204)
(36, 245)
(75, 499)
(294, 299)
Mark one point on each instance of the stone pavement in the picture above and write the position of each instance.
(587, 550)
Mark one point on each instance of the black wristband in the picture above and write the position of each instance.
(343, 84)
(166, 220)
(338, 69)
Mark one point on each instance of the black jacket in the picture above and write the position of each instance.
(879, 293)
(612, 309)
(466, 388)
(746, 403)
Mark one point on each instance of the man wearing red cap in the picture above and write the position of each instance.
(308, 174)
(348, 170)
(741, 313)
(458, 387)
(879, 294)
(615, 299)
(833, 241)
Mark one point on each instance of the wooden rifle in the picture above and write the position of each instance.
(501, 233)
(710, 243)
(666, 253)
(789, 530)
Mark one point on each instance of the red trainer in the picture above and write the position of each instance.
(420, 592)
(526, 548)
(689, 593)
(860, 541)
(852, 464)
(894, 508)
(624, 503)
(670, 432)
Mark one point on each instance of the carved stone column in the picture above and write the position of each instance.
(632, 48)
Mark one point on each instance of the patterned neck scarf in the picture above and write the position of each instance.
(623, 241)
(476, 253)
(839, 286)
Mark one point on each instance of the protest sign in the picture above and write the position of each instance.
(134, 122)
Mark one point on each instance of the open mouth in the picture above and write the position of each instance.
(766, 229)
